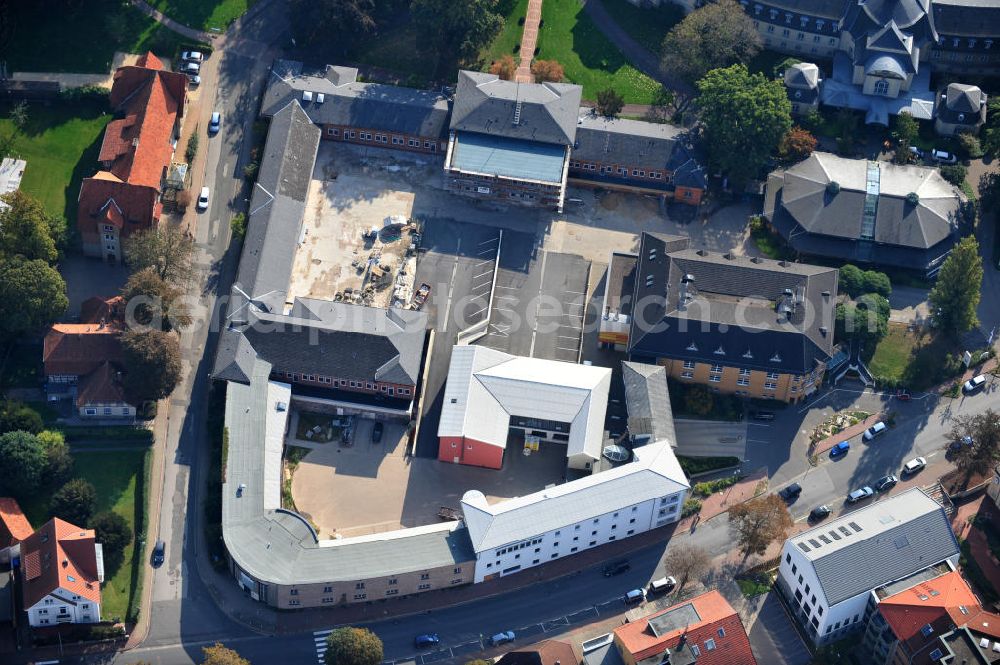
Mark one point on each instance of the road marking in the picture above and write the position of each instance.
(483, 263)
(574, 337)
(757, 441)
(488, 272)
(487, 242)
(451, 284)
(508, 297)
(478, 311)
(563, 348)
(486, 251)
(541, 282)
(509, 288)
(757, 425)
(579, 293)
(502, 309)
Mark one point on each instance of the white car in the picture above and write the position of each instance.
(974, 384)
(215, 124)
(203, 200)
(944, 157)
(194, 80)
(914, 465)
(193, 56)
(190, 68)
(875, 430)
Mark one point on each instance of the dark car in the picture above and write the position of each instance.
(791, 492)
(158, 549)
(885, 483)
(426, 640)
(840, 449)
(965, 441)
(377, 432)
(617, 568)
(762, 415)
(819, 513)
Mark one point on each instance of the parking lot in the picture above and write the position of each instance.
(540, 300)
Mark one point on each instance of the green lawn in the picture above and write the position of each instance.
(648, 26)
(82, 36)
(588, 58)
(204, 14)
(892, 355)
(917, 360)
(117, 476)
(60, 143)
(395, 49)
(509, 38)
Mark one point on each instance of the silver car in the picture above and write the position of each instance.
(863, 493)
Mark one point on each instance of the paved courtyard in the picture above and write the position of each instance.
(371, 488)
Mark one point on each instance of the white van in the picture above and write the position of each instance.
(662, 585)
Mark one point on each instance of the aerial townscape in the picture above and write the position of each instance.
(500, 332)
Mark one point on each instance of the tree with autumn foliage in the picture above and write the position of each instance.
(547, 70)
(504, 67)
(797, 144)
(759, 522)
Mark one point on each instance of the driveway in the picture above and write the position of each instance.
(710, 438)
(774, 639)
(909, 305)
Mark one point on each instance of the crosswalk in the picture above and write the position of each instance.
(319, 636)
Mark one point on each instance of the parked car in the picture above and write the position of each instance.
(819, 513)
(215, 124)
(966, 441)
(914, 465)
(192, 56)
(791, 492)
(662, 585)
(840, 449)
(762, 415)
(863, 493)
(203, 200)
(502, 638)
(877, 429)
(944, 157)
(974, 384)
(377, 432)
(916, 152)
(617, 568)
(194, 80)
(426, 640)
(158, 550)
(190, 68)
(634, 596)
(886, 483)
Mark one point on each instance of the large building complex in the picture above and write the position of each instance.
(489, 392)
(865, 211)
(748, 326)
(829, 573)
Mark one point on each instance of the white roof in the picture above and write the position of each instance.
(653, 473)
(486, 387)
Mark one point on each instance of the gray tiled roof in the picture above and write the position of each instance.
(972, 18)
(823, 8)
(347, 101)
(632, 142)
(648, 400)
(803, 75)
(486, 104)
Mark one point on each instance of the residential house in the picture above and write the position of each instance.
(124, 196)
(62, 568)
(750, 326)
(85, 361)
(960, 108)
(862, 211)
(704, 629)
(489, 393)
(549, 652)
(828, 573)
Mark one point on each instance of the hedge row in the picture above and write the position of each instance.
(117, 434)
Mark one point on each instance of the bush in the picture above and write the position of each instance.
(18, 416)
(74, 502)
(969, 146)
(876, 282)
(114, 534)
(699, 400)
(59, 463)
(710, 487)
(691, 507)
(85, 93)
(851, 280)
(239, 225)
(954, 173)
(192, 146)
(696, 465)
(88, 433)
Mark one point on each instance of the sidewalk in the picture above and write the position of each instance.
(720, 502)
(171, 24)
(529, 38)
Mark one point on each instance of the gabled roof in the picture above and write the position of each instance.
(13, 520)
(127, 206)
(545, 112)
(80, 348)
(60, 555)
(648, 401)
(941, 602)
(967, 18)
(486, 387)
(107, 309)
(880, 543)
(691, 623)
(623, 141)
(890, 38)
(549, 652)
(349, 102)
(102, 386)
(653, 473)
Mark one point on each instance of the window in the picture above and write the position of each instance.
(770, 385)
(743, 370)
(328, 589)
(423, 587)
(635, 172)
(360, 596)
(90, 412)
(715, 378)
(456, 571)
(293, 592)
(710, 644)
(788, 559)
(881, 87)
(772, 375)
(592, 543)
(687, 375)
(688, 364)
(107, 410)
(743, 381)
(795, 568)
(716, 368)
(820, 610)
(426, 576)
(808, 590)
(695, 651)
(359, 585)
(722, 632)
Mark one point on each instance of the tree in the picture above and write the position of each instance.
(220, 655)
(759, 522)
(150, 301)
(716, 35)
(905, 129)
(547, 70)
(59, 462)
(955, 295)
(797, 144)
(504, 67)
(18, 119)
(26, 229)
(238, 224)
(74, 502)
(454, 31)
(23, 464)
(991, 131)
(314, 21)
(167, 249)
(954, 173)
(686, 561)
(969, 145)
(15, 415)
(192, 147)
(698, 400)
(874, 281)
(353, 646)
(153, 363)
(984, 431)
(865, 321)
(114, 534)
(745, 116)
(610, 103)
(851, 280)
(32, 293)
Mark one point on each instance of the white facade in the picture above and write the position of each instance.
(516, 534)
(109, 410)
(63, 606)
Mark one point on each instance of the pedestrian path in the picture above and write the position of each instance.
(170, 23)
(529, 39)
(319, 637)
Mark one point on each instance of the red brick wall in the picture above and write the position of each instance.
(437, 146)
(470, 452)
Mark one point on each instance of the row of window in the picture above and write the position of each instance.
(744, 371)
(344, 383)
(381, 138)
(621, 170)
(361, 594)
(107, 411)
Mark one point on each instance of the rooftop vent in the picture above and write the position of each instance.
(701, 252)
(823, 330)
(320, 98)
(833, 187)
(281, 406)
(927, 630)
(913, 198)
(307, 95)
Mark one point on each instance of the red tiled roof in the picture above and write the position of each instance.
(102, 386)
(129, 208)
(149, 61)
(548, 652)
(717, 621)
(14, 521)
(59, 555)
(97, 309)
(78, 349)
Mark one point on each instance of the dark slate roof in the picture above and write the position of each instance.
(648, 401)
(487, 104)
(967, 18)
(634, 142)
(961, 104)
(822, 8)
(802, 75)
(350, 102)
(734, 312)
(802, 193)
(871, 16)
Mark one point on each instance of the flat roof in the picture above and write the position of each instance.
(511, 158)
